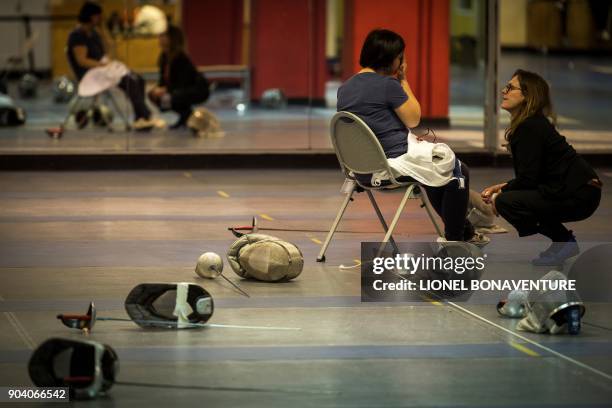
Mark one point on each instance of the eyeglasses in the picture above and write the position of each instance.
(427, 136)
(509, 87)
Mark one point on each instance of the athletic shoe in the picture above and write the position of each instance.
(566, 250)
(552, 249)
(491, 229)
(143, 124)
(477, 239)
(159, 123)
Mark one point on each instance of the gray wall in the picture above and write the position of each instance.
(12, 34)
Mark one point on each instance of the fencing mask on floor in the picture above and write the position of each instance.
(87, 368)
(172, 305)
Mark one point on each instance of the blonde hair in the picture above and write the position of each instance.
(537, 100)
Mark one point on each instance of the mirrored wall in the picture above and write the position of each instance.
(273, 68)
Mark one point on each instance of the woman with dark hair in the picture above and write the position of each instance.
(381, 96)
(552, 183)
(180, 85)
(86, 49)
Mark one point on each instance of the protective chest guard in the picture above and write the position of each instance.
(180, 304)
(87, 368)
(265, 258)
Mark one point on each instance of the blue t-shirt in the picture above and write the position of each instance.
(94, 44)
(374, 98)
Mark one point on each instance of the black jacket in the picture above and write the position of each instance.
(544, 161)
(182, 74)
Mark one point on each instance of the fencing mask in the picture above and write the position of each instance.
(179, 305)
(87, 368)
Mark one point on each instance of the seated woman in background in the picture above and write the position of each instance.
(381, 96)
(180, 85)
(86, 49)
(552, 183)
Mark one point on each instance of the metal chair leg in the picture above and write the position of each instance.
(121, 114)
(72, 106)
(396, 217)
(382, 219)
(330, 234)
(430, 213)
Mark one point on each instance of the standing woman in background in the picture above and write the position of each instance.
(180, 85)
(552, 183)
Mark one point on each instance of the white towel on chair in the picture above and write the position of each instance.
(431, 164)
(100, 79)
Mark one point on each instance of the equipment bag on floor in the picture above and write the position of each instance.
(553, 311)
(265, 258)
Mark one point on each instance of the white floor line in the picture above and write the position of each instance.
(532, 342)
(21, 331)
(525, 339)
(235, 326)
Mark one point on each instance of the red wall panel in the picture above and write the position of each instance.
(439, 61)
(288, 47)
(320, 74)
(213, 31)
(424, 25)
(288, 42)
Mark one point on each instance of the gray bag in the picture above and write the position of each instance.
(265, 258)
(545, 309)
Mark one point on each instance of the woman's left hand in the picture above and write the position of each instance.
(159, 91)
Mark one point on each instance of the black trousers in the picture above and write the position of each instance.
(451, 204)
(134, 87)
(531, 213)
(184, 98)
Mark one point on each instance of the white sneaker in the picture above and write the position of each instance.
(480, 240)
(159, 123)
(143, 124)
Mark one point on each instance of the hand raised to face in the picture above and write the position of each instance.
(400, 74)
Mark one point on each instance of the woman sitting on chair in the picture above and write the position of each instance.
(552, 183)
(180, 85)
(86, 49)
(381, 96)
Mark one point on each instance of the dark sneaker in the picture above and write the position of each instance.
(566, 250)
(552, 249)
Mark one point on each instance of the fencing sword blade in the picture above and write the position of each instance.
(174, 324)
(234, 285)
(250, 230)
(255, 228)
(235, 326)
(114, 319)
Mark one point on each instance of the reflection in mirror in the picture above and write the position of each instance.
(126, 75)
(467, 74)
(568, 44)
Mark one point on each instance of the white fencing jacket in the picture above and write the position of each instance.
(432, 164)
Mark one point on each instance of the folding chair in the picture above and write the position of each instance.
(359, 152)
(77, 100)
